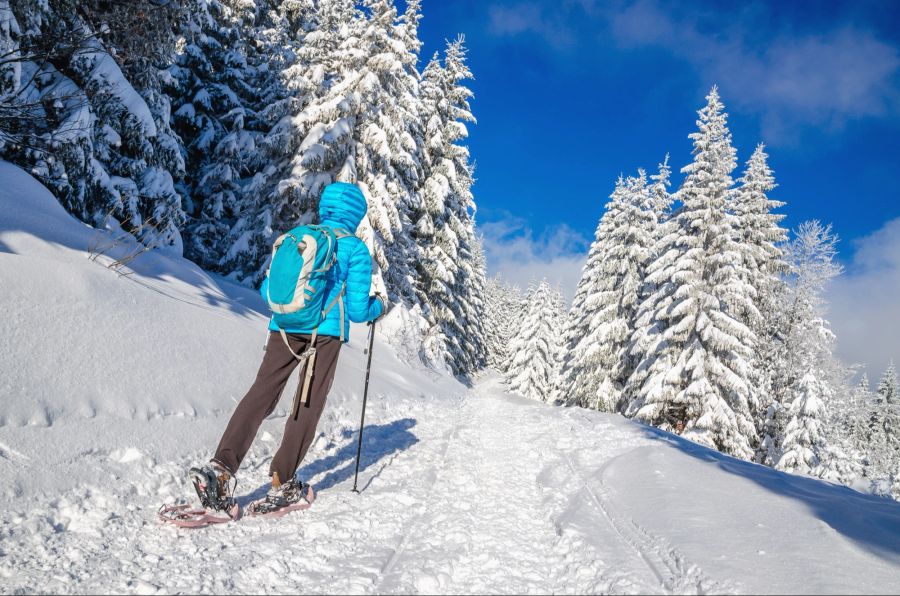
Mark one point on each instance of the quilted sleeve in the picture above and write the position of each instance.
(360, 306)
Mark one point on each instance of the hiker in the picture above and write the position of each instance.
(347, 284)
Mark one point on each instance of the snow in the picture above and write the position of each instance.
(112, 385)
(105, 72)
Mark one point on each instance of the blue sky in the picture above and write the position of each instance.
(571, 93)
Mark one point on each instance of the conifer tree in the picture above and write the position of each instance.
(503, 311)
(303, 138)
(757, 230)
(74, 119)
(888, 388)
(602, 321)
(214, 85)
(804, 442)
(447, 276)
(884, 425)
(656, 294)
(805, 356)
(534, 351)
(758, 238)
(702, 378)
(854, 417)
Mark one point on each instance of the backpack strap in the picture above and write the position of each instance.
(339, 233)
(278, 242)
(307, 357)
(339, 299)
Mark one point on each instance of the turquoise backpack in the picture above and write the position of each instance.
(298, 275)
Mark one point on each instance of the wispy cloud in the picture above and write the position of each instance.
(772, 64)
(822, 79)
(519, 255)
(865, 302)
(530, 18)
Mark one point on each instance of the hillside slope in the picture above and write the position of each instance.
(112, 386)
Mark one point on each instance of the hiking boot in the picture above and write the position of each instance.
(284, 494)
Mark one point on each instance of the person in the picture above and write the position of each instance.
(342, 207)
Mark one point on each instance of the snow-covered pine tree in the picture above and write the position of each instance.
(884, 425)
(502, 313)
(805, 358)
(534, 351)
(656, 293)
(215, 91)
(359, 127)
(474, 280)
(577, 326)
(703, 378)
(759, 238)
(891, 391)
(597, 365)
(854, 418)
(447, 278)
(101, 144)
(379, 72)
(888, 387)
(804, 442)
(661, 198)
(757, 228)
(864, 387)
(435, 268)
(459, 206)
(144, 38)
(293, 59)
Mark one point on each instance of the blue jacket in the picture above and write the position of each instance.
(344, 206)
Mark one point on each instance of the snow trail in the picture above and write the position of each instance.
(494, 494)
(460, 510)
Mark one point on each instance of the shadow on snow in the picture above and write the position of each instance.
(380, 441)
(872, 522)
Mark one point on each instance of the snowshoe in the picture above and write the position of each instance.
(184, 515)
(215, 487)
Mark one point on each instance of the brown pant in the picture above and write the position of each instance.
(277, 365)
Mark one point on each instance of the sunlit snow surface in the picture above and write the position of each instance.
(112, 386)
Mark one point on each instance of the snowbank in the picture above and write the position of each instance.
(79, 339)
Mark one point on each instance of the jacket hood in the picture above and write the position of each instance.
(342, 206)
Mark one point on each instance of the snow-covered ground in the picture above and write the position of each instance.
(113, 385)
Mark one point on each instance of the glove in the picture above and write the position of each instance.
(386, 305)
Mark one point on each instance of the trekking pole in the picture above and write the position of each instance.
(362, 420)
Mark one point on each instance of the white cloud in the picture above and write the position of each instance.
(865, 302)
(530, 17)
(823, 79)
(792, 77)
(520, 256)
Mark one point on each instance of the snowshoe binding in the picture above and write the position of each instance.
(215, 486)
(282, 498)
